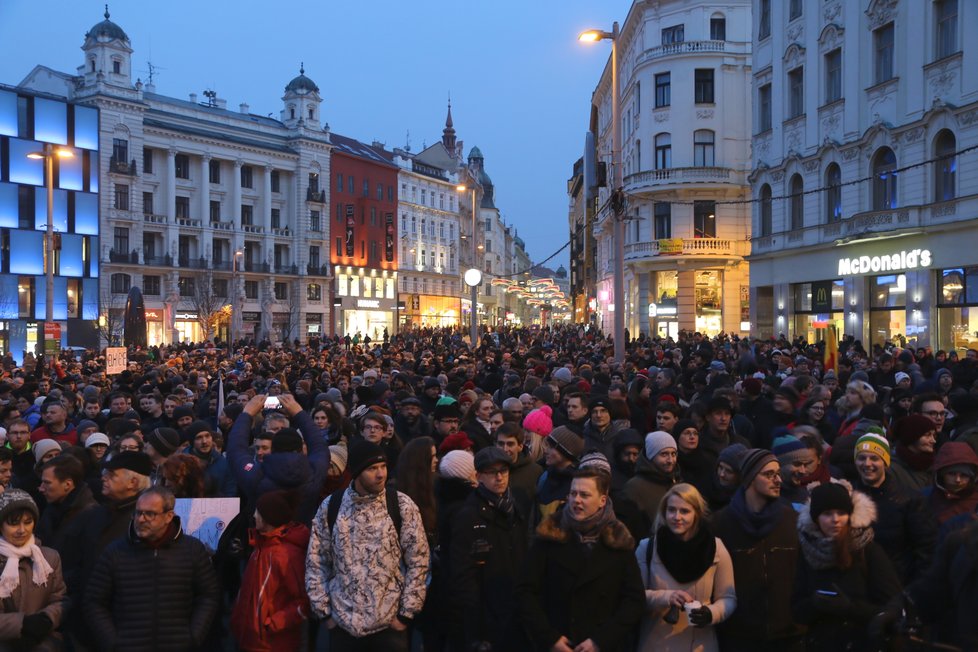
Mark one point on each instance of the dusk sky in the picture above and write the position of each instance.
(520, 82)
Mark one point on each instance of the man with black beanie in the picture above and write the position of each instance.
(370, 604)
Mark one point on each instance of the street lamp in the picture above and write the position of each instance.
(49, 153)
(235, 298)
(473, 277)
(593, 36)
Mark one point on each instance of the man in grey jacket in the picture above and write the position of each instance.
(366, 572)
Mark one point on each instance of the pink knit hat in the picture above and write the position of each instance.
(539, 421)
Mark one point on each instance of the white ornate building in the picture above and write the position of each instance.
(203, 206)
(684, 74)
(865, 210)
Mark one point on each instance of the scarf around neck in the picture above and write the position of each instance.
(10, 577)
(916, 460)
(757, 525)
(820, 550)
(588, 530)
(686, 561)
(502, 503)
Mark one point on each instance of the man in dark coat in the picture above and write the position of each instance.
(155, 589)
(489, 543)
(68, 497)
(582, 588)
(760, 533)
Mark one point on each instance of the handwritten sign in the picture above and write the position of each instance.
(116, 359)
(205, 519)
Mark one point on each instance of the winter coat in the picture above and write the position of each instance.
(579, 591)
(29, 598)
(523, 478)
(481, 586)
(217, 473)
(60, 524)
(864, 589)
(948, 591)
(940, 502)
(603, 441)
(714, 589)
(354, 572)
(762, 571)
(478, 434)
(272, 603)
(903, 527)
(306, 473)
(552, 489)
(143, 598)
(911, 479)
(648, 486)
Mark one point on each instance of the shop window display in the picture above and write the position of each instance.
(957, 308)
(887, 308)
(816, 306)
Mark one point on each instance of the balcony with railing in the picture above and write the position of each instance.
(281, 231)
(188, 262)
(317, 270)
(131, 257)
(252, 228)
(691, 47)
(154, 218)
(223, 226)
(256, 267)
(285, 268)
(158, 261)
(120, 166)
(187, 221)
(651, 180)
(711, 247)
(314, 195)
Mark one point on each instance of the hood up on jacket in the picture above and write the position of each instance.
(819, 550)
(287, 470)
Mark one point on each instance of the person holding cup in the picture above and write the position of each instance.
(687, 574)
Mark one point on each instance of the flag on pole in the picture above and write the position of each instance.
(220, 393)
(831, 360)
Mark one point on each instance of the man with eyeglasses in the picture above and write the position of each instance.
(931, 405)
(155, 589)
(445, 418)
(759, 531)
(489, 544)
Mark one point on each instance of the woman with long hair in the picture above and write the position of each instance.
(687, 574)
(416, 469)
(814, 413)
(32, 589)
(640, 404)
(183, 475)
(844, 578)
(475, 423)
(858, 395)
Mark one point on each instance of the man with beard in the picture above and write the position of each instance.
(600, 431)
(657, 470)
(446, 419)
(409, 423)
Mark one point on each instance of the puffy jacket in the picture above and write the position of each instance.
(272, 603)
(142, 598)
(27, 599)
(354, 572)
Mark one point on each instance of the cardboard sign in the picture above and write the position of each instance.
(116, 359)
(205, 519)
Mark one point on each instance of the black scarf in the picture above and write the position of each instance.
(502, 503)
(756, 525)
(686, 561)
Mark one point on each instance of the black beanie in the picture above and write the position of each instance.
(277, 507)
(182, 411)
(830, 495)
(287, 440)
(362, 455)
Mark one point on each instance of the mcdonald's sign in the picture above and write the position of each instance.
(822, 296)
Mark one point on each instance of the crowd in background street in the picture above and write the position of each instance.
(527, 493)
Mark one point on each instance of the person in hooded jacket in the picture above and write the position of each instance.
(272, 605)
(696, 466)
(916, 438)
(844, 578)
(656, 472)
(953, 489)
(627, 449)
(286, 467)
(725, 478)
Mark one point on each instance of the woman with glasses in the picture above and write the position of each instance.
(687, 574)
(814, 413)
(32, 590)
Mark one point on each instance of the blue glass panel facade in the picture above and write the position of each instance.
(86, 213)
(8, 288)
(8, 205)
(8, 113)
(86, 127)
(71, 172)
(26, 252)
(50, 121)
(23, 169)
(90, 298)
(60, 210)
(71, 255)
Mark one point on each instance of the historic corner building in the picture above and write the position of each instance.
(684, 74)
(364, 255)
(865, 192)
(202, 207)
(32, 124)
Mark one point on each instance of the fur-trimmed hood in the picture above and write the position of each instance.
(819, 550)
(614, 535)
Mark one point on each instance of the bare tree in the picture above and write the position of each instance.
(292, 305)
(210, 307)
(111, 317)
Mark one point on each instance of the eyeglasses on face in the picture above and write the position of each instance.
(149, 515)
(770, 475)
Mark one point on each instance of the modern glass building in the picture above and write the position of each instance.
(28, 122)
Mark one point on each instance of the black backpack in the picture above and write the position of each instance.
(393, 508)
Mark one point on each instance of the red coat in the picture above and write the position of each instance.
(272, 604)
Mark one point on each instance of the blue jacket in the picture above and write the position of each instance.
(218, 472)
(305, 473)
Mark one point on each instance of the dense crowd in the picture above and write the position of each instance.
(527, 493)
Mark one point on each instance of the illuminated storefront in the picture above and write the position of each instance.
(154, 326)
(187, 326)
(367, 302)
(817, 305)
(425, 310)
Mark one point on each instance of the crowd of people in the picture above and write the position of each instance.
(527, 493)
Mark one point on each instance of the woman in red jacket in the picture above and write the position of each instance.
(272, 605)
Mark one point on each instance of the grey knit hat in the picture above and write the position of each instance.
(12, 500)
(568, 442)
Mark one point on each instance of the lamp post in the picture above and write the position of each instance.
(473, 276)
(235, 297)
(592, 36)
(49, 153)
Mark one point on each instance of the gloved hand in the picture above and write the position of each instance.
(701, 616)
(834, 605)
(36, 626)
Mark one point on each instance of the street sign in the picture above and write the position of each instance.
(116, 359)
(52, 338)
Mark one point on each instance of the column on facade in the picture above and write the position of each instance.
(733, 278)
(171, 203)
(236, 205)
(204, 208)
(642, 304)
(266, 202)
(921, 311)
(686, 298)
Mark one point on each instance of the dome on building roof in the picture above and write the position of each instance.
(107, 29)
(302, 83)
(475, 153)
(561, 272)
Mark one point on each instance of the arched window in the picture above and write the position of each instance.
(884, 180)
(833, 193)
(663, 151)
(703, 148)
(797, 203)
(120, 283)
(945, 166)
(766, 218)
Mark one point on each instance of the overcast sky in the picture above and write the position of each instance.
(520, 82)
